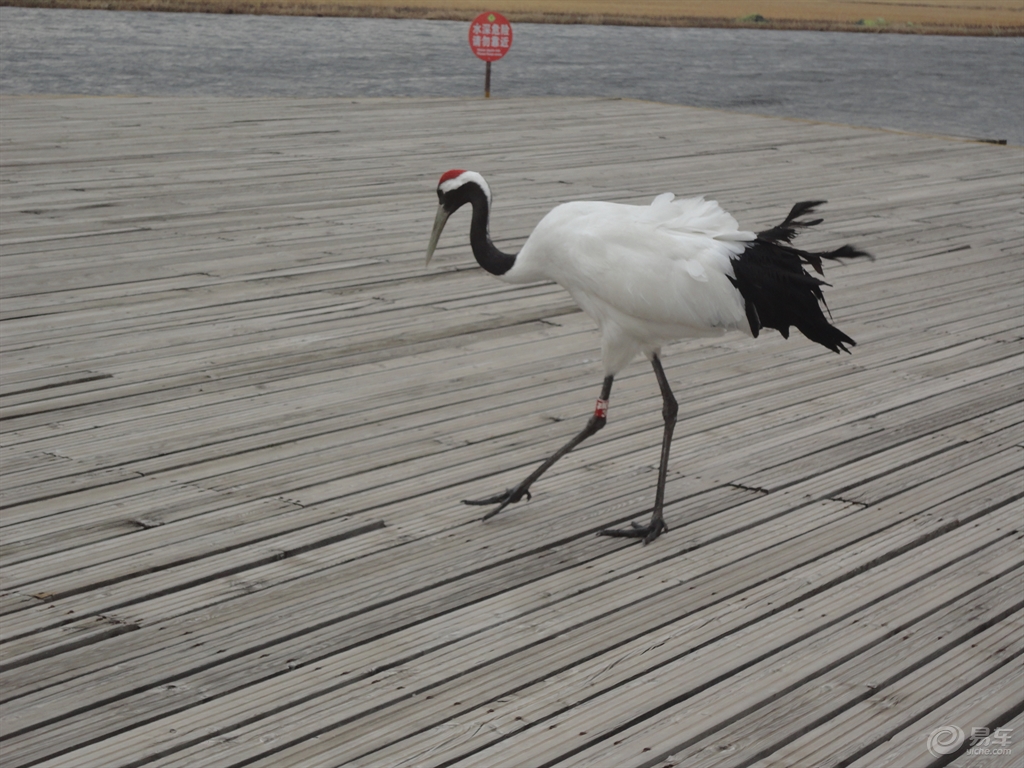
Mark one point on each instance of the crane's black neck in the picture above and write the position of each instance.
(487, 255)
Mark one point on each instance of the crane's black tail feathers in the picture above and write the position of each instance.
(778, 292)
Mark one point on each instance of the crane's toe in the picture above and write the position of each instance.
(647, 533)
(503, 499)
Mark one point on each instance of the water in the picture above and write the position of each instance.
(957, 86)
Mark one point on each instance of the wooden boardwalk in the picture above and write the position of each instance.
(239, 414)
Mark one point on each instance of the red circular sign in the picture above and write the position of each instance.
(490, 36)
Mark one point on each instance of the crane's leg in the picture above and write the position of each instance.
(669, 409)
(512, 495)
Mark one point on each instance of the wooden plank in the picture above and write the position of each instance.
(987, 702)
(520, 728)
(870, 724)
(237, 418)
(1004, 759)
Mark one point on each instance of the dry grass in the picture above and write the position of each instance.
(1005, 17)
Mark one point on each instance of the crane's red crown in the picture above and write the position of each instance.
(448, 175)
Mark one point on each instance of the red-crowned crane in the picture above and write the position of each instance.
(648, 275)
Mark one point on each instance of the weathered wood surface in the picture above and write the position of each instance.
(238, 417)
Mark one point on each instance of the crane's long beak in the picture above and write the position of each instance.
(435, 235)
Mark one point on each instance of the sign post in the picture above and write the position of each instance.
(490, 37)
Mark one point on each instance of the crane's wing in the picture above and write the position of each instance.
(675, 268)
(659, 271)
(707, 234)
(693, 215)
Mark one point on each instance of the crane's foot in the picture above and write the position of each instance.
(647, 533)
(503, 499)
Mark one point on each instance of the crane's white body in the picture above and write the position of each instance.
(647, 275)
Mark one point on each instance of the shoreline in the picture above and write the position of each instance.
(334, 8)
